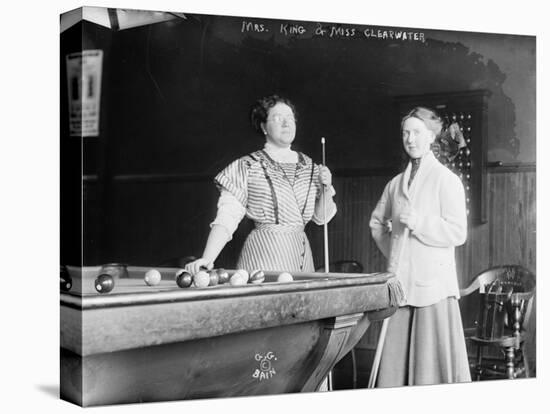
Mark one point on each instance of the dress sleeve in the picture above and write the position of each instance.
(230, 213)
(318, 212)
(234, 180)
(317, 184)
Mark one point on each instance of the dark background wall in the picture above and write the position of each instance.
(184, 87)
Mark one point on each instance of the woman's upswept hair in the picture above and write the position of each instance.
(430, 118)
(260, 110)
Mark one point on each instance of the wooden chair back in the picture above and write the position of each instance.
(514, 286)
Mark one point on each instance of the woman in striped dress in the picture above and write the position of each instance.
(281, 190)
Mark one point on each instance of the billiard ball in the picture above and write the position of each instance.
(152, 277)
(104, 283)
(214, 277)
(257, 276)
(65, 280)
(201, 279)
(223, 276)
(285, 277)
(183, 278)
(237, 279)
(243, 273)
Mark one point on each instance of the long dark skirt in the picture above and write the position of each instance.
(424, 345)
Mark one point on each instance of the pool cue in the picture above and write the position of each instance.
(382, 338)
(325, 226)
(325, 232)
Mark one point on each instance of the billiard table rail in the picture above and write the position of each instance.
(151, 295)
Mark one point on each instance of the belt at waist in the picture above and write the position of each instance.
(279, 228)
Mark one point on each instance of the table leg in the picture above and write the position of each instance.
(335, 336)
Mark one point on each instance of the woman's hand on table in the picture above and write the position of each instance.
(199, 264)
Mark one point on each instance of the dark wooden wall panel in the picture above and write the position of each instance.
(513, 207)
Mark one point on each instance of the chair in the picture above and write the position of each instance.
(505, 301)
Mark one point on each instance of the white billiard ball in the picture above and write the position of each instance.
(243, 273)
(201, 279)
(238, 279)
(152, 277)
(285, 277)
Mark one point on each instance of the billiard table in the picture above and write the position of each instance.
(141, 343)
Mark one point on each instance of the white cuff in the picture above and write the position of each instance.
(331, 191)
(331, 208)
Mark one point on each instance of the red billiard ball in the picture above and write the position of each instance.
(104, 283)
(257, 276)
(65, 280)
(184, 278)
(214, 278)
(223, 276)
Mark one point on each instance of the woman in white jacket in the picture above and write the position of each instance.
(417, 223)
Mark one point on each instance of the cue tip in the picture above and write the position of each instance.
(323, 140)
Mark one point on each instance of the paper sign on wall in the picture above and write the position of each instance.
(84, 86)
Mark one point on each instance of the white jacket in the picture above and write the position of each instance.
(428, 269)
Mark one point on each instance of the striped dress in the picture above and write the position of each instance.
(280, 199)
